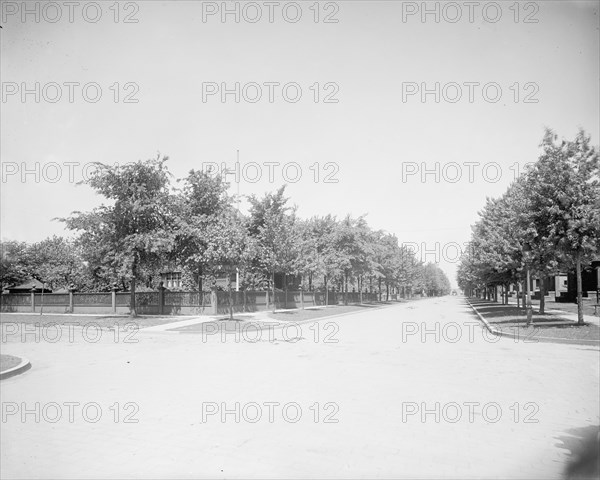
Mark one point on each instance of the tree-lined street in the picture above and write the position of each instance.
(526, 400)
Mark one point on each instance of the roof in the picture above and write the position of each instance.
(27, 285)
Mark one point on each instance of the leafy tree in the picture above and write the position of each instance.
(350, 242)
(200, 208)
(319, 257)
(565, 183)
(13, 268)
(548, 217)
(57, 262)
(135, 230)
(273, 229)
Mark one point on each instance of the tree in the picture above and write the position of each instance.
(137, 228)
(549, 216)
(228, 247)
(200, 208)
(273, 228)
(13, 268)
(350, 243)
(318, 254)
(566, 182)
(56, 262)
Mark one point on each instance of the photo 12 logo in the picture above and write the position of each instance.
(69, 92)
(269, 92)
(454, 412)
(454, 332)
(69, 412)
(450, 252)
(70, 332)
(454, 172)
(49, 172)
(253, 332)
(270, 12)
(274, 172)
(469, 92)
(270, 412)
(70, 12)
(470, 12)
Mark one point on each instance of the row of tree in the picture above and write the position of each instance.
(547, 221)
(151, 224)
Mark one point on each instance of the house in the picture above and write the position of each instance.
(590, 282)
(171, 280)
(174, 280)
(28, 285)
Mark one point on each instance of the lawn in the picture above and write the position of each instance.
(568, 332)
(8, 361)
(510, 319)
(550, 304)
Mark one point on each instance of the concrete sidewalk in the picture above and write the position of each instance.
(569, 315)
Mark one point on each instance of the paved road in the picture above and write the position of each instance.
(518, 402)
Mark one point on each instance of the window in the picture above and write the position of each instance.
(172, 279)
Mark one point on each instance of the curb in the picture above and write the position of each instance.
(20, 368)
(534, 339)
(484, 321)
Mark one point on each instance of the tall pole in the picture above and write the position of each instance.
(238, 180)
(597, 284)
(42, 305)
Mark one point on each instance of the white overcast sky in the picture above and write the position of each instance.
(369, 134)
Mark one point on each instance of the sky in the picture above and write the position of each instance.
(410, 113)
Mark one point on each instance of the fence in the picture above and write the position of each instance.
(165, 302)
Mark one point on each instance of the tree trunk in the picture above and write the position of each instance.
(518, 291)
(542, 293)
(579, 287)
(326, 291)
(345, 289)
(360, 288)
(200, 293)
(230, 302)
(285, 291)
(132, 307)
(273, 289)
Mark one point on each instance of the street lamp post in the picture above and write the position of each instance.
(42, 305)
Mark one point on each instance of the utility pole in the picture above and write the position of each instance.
(238, 180)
